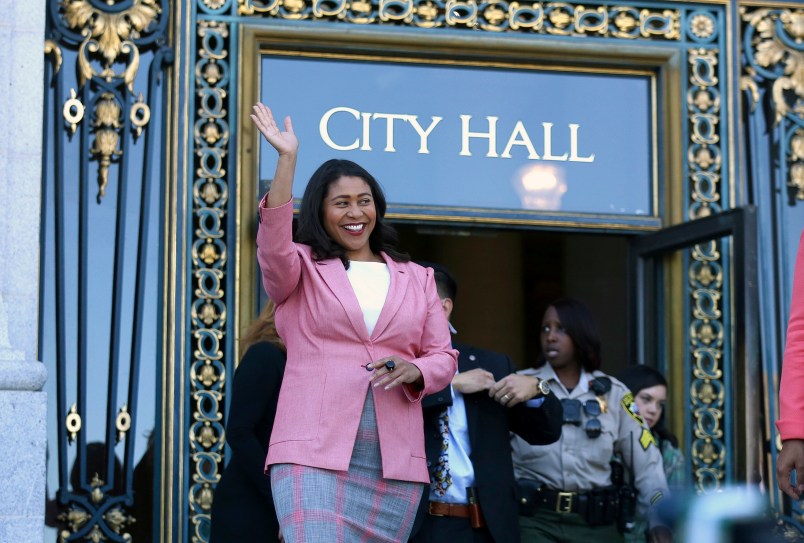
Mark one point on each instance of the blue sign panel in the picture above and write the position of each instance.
(472, 137)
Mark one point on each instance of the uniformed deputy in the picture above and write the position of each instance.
(568, 491)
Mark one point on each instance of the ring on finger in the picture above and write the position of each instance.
(390, 365)
(506, 397)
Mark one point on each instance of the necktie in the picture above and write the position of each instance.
(441, 477)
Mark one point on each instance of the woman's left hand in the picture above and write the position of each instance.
(392, 371)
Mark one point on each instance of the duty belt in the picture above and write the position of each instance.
(597, 507)
(560, 501)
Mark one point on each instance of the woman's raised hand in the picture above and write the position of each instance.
(284, 142)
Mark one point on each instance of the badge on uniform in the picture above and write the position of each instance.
(646, 437)
(601, 386)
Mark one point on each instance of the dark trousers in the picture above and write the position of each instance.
(549, 526)
(450, 530)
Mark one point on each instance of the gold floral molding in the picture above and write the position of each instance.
(76, 517)
(776, 55)
(774, 50)
(105, 148)
(107, 43)
(557, 18)
(109, 34)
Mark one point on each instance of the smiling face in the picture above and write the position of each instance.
(650, 402)
(557, 346)
(349, 216)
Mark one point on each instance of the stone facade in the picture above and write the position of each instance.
(22, 375)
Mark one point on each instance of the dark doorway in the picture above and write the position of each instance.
(506, 278)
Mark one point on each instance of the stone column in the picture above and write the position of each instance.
(22, 375)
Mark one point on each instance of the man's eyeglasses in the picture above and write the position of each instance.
(590, 408)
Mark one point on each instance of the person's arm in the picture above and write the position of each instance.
(254, 391)
(538, 425)
(791, 390)
(276, 253)
(642, 458)
(437, 360)
(535, 418)
(286, 145)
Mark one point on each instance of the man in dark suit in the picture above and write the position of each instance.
(472, 497)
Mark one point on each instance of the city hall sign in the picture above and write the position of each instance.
(387, 125)
(474, 139)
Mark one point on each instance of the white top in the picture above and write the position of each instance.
(370, 281)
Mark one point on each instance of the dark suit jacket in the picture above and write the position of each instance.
(489, 425)
(242, 506)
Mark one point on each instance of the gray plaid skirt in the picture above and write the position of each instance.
(318, 505)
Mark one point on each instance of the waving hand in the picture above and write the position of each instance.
(286, 145)
(284, 142)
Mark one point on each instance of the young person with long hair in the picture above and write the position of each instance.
(649, 388)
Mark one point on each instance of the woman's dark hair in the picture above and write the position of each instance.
(581, 328)
(640, 377)
(311, 227)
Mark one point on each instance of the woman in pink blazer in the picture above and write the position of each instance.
(366, 338)
(791, 390)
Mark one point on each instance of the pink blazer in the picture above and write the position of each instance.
(325, 383)
(791, 386)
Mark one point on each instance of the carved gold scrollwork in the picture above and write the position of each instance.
(773, 48)
(140, 115)
(707, 334)
(394, 10)
(559, 18)
(122, 423)
(427, 14)
(210, 257)
(591, 21)
(702, 26)
(796, 175)
(776, 56)
(116, 519)
(105, 147)
(205, 497)
(73, 111)
(73, 423)
(329, 8)
(625, 23)
(250, 7)
(665, 24)
(109, 33)
(206, 436)
(526, 16)
(52, 48)
(75, 519)
(97, 494)
(461, 13)
(207, 375)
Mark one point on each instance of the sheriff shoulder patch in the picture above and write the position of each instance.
(646, 437)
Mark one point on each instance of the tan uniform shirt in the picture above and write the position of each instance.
(578, 463)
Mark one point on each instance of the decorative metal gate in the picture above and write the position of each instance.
(146, 252)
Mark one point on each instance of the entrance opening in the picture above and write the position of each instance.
(506, 279)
